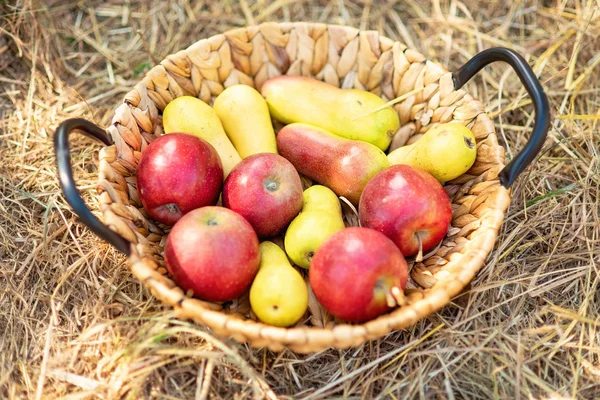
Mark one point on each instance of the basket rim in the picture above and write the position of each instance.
(460, 272)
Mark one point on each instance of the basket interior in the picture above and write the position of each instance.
(344, 57)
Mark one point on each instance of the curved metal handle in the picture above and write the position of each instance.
(67, 183)
(540, 102)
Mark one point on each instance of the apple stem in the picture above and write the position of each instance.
(419, 257)
(389, 299)
(271, 185)
(399, 296)
(212, 222)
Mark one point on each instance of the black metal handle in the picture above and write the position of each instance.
(539, 99)
(67, 183)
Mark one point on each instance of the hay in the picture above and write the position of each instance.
(75, 324)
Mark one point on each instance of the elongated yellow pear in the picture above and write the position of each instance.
(321, 217)
(191, 115)
(279, 294)
(446, 151)
(245, 116)
(350, 113)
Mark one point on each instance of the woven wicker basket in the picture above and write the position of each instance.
(344, 57)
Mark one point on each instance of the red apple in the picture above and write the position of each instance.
(178, 173)
(214, 252)
(266, 189)
(356, 274)
(409, 206)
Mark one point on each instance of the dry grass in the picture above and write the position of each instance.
(75, 324)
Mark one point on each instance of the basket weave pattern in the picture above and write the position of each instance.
(342, 56)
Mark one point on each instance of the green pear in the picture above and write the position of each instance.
(320, 218)
(279, 294)
(349, 113)
(321, 198)
(446, 151)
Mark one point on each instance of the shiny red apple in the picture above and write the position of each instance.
(213, 252)
(178, 173)
(409, 206)
(355, 272)
(266, 189)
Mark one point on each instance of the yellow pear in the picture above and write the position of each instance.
(245, 116)
(279, 294)
(446, 151)
(321, 198)
(191, 115)
(320, 218)
(350, 113)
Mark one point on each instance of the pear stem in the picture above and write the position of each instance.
(390, 103)
(419, 257)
